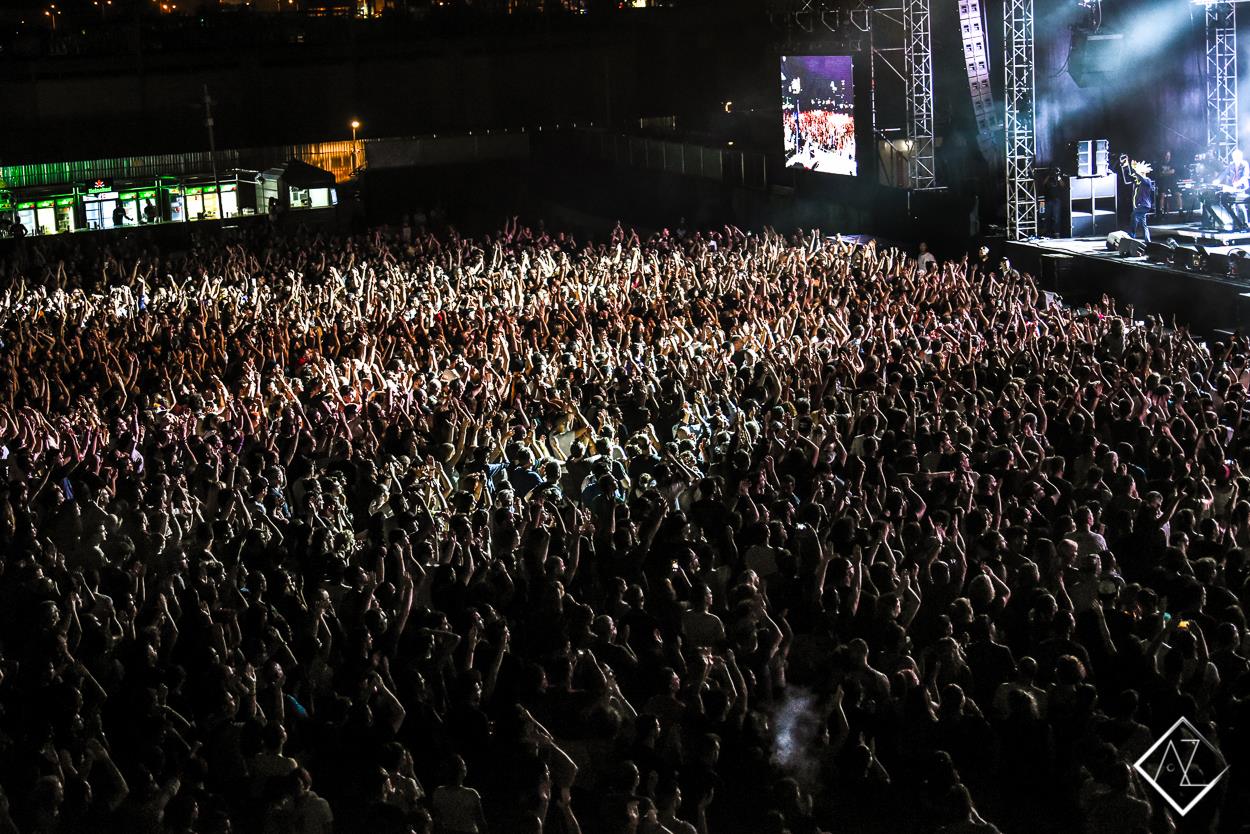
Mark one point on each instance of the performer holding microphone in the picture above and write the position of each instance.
(1137, 174)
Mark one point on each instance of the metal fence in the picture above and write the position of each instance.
(748, 168)
(340, 158)
(134, 167)
(420, 151)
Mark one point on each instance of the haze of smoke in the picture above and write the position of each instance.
(796, 728)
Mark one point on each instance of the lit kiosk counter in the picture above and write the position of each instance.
(99, 199)
(171, 200)
(46, 213)
(298, 186)
(137, 199)
(202, 199)
(142, 206)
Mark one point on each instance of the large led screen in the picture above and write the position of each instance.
(818, 113)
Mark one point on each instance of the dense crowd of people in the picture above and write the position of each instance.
(828, 129)
(719, 532)
(821, 139)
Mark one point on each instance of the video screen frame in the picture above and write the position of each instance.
(818, 113)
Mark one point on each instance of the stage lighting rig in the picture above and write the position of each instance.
(1091, 19)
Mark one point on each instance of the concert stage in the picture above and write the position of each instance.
(1082, 269)
(1189, 233)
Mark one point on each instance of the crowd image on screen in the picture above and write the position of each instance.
(679, 533)
(818, 115)
(817, 133)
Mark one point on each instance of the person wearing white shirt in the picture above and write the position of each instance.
(701, 627)
(925, 258)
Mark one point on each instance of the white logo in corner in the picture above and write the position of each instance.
(1182, 766)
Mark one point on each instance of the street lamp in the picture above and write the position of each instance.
(51, 13)
(355, 127)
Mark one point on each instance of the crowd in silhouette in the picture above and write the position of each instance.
(698, 533)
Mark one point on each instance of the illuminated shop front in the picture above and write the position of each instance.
(298, 186)
(98, 201)
(109, 205)
(103, 203)
(233, 195)
(211, 202)
(46, 214)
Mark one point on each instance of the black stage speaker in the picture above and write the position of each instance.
(1161, 253)
(1221, 265)
(1131, 248)
(1240, 264)
(1191, 258)
(1095, 58)
(1056, 268)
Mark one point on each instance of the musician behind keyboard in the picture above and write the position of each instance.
(1235, 181)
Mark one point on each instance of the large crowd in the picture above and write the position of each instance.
(699, 533)
(830, 129)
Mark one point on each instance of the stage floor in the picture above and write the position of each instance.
(1082, 269)
(1215, 243)
(1190, 233)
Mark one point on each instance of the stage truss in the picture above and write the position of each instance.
(918, 59)
(1221, 78)
(1020, 123)
(806, 15)
(899, 40)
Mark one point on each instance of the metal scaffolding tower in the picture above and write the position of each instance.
(918, 61)
(899, 40)
(1221, 72)
(1019, 92)
(806, 15)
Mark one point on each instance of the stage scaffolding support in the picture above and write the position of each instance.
(918, 63)
(1221, 72)
(807, 15)
(1020, 124)
(900, 42)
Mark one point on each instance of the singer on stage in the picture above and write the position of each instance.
(1137, 174)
